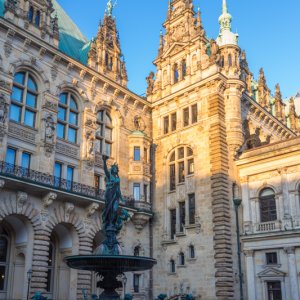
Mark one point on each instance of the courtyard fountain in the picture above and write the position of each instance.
(108, 261)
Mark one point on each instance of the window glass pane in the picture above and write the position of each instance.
(100, 116)
(181, 176)
(186, 117)
(73, 118)
(29, 118)
(192, 208)
(63, 98)
(37, 19)
(60, 130)
(62, 112)
(108, 120)
(192, 251)
(10, 156)
(271, 258)
(72, 135)
(73, 104)
(2, 278)
(190, 166)
(180, 153)
(97, 181)
(137, 154)
(15, 113)
(3, 249)
(136, 191)
(25, 163)
(19, 78)
(17, 94)
(70, 173)
(136, 283)
(194, 113)
(189, 152)
(31, 84)
(108, 134)
(31, 100)
(172, 157)
(57, 170)
(267, 192)
(181, 216)
(166, 125)
(173, 223)
(173, 121)
(172, 178)
(107, 149)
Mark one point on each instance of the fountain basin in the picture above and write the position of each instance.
(106, 263)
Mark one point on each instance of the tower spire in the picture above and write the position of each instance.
(110, 6)
(226, 36)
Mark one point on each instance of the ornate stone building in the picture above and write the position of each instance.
(207, 132)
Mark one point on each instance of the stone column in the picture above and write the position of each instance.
(293, 273)
(285, 193)
(246, 204)
(250, 271)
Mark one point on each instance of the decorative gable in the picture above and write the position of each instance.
(174, 49)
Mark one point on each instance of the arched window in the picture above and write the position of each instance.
(4, 245)
(50, 267)
(192, 251)
(176, 73)
(104, 132)
(24, 95)
(37, 19)
(222, 61)
(30, 14)
(172, 266)
(181, 259)
(136, 251)
(181, 163)
(183, 69)
(67, 124)
(267, 205)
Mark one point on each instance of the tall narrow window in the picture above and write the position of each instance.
(136, 283)
(145, 192)
(3, 260)
(267, 203)
(37, 19)
(183, 69)
(137, 153)
(70, 177)
(137, 191)
(173, 121)
(172, 172)
(104, 133)
(172, 266)
(67, 124)
(97, 181)
(192, 251)
(186, 117)
(145, 155)
(181, 168)
(181, 259)
(176, 73)
(192, 208)
(23, 106)
(194, 113)
(11, 156)
(166, 124)
(57, 173)
(26, 158)
(173, 223)
(229, 60)
(181, 216)
(274, 290)
(30, 14)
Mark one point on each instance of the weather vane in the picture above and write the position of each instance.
(110, 7)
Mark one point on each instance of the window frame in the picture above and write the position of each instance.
(137, 153)
(22, 105)
(136, 185)
(5, 264)
(136, 282)
(67, 125)
(267, 206)
(102, 126)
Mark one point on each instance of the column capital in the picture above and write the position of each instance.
(290, 250)
(248, 253)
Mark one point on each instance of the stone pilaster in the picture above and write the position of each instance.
(220, 199)
(250, 274)
(293, 273)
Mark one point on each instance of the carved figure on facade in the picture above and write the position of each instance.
(49, 129)
(150, 82)
(139, 123)
(214, 52)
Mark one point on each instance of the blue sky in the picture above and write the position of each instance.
(269, 31)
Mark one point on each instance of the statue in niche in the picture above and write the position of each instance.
(139, 124)
(150, 81)
(49, 130)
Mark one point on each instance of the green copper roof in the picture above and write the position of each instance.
(72, 41)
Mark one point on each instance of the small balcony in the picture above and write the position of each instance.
(267, 226)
